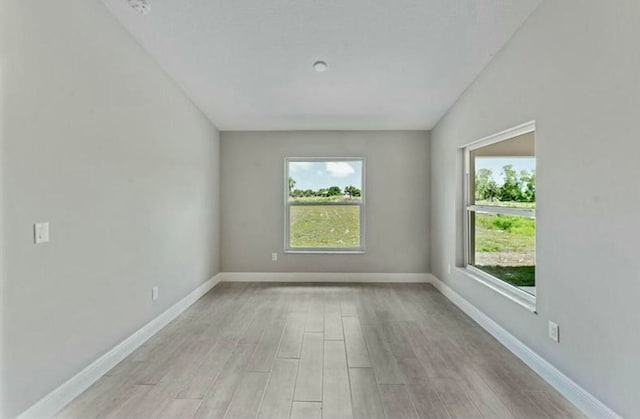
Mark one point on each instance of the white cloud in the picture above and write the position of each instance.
(340, 168)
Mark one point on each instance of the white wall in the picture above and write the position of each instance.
(98, 141)
(574, 68)
(397, 200)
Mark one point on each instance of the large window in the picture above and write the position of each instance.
(324, 205)
(500, 195)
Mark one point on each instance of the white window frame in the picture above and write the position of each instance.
(504, 288)
(288, 204)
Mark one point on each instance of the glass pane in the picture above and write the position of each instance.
(330, 226)
(325, 181)
(505, 181)
(504, 246)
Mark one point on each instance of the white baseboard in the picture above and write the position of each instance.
(52, 403)
(325, 277)
(49, 405)
(582, 399)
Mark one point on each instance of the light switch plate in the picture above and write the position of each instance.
(274, 257)
(41, 233)
(554, 332)
(154, 293)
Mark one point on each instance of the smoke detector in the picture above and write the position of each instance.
(320, 66)
(141, 6)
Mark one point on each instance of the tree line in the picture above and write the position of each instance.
(518, 187)
(350, 191)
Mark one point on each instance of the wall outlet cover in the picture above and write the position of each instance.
(154, 293)
(41, 232)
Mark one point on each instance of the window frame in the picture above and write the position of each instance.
(288, 204)
(510, 291)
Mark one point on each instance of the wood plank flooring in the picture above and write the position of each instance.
(272, 350)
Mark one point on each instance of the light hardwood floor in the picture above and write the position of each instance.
(273, 350)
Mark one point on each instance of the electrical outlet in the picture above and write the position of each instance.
(554, 332)
(274, 257)
(40, 233)
(154, 293)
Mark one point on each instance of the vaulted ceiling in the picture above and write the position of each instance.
(392, 64)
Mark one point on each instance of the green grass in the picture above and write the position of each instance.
(338, 226)
(520, 276)
(505, 233)
(325, 226)
(510, 241)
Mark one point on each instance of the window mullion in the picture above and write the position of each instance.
(524, 212)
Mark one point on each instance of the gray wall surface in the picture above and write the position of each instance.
(397, 200)
(574, 68)
(99, 142)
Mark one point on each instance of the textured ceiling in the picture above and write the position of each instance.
(393, 64)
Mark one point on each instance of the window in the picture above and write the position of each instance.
(500, 222)
(324, 205)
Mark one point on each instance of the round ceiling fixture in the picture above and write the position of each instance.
(320, 66)
(141, 6)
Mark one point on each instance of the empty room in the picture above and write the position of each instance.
(319, 209)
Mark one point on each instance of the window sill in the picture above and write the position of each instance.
(325, 252)
(512, 293)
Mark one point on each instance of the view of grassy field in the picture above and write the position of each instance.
(325, 226)
(504, 233)
(509, 204)
(505, 247)
(520, 276)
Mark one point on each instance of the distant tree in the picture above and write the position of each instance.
(528, 184)
(296, 193)
(511, 190)
(352, 191)
(292, 184)
(322, 192)
(486, 187)
(308, 193)
(517, 187)
(334, 191)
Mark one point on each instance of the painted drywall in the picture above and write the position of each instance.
(397, 200)
(100, 143)
(392, 64)
(573, 68)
